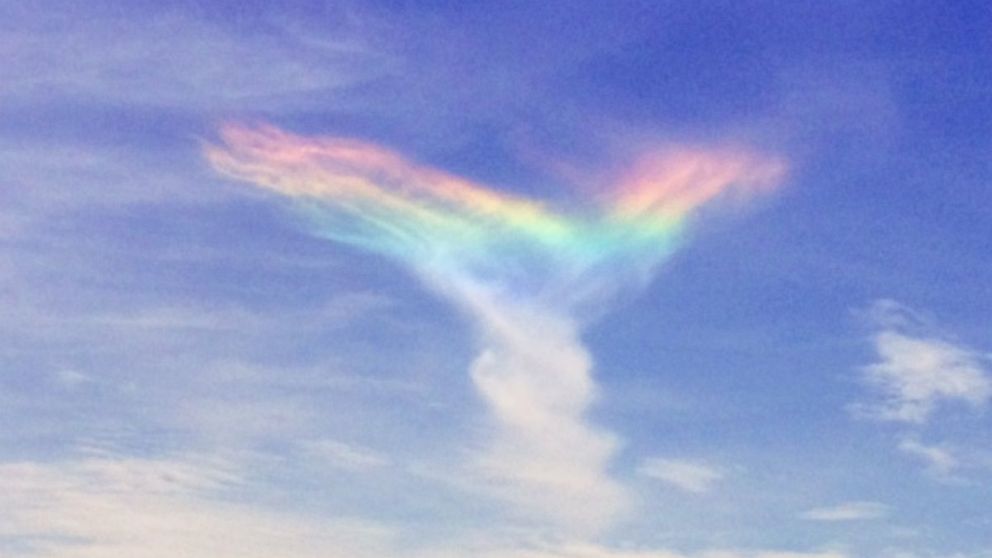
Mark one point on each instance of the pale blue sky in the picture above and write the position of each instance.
(186, 370)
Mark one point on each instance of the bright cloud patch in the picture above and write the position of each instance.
(916, 371)
(848, 511)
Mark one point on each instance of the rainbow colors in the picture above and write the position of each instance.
(370, 197)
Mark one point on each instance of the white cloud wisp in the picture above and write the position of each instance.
(848, 511)
(689, 476)
(918, 372)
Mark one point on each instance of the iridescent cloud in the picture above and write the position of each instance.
(521, 269)
(373, 198)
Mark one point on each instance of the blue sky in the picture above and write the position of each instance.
(189, 366)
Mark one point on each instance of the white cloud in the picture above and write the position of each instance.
(848, 511)
(112, 506)
(939, 461)
(118, 507)
(918, 371)
(690, 476)
(545, 456)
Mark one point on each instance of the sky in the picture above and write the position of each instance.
(429, 279)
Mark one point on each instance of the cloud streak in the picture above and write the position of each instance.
(940, 461)
(521, 270)
(848, 511)
(689, 476)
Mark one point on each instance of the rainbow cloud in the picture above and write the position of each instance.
(521, 268)
(367, 196)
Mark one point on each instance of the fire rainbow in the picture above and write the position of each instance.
(377, 200)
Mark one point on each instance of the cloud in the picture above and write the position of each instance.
(848, 511)
(450, 229)
(109, 506)
(93, 365)
(104, 504)
(545, 456)
(345, 456)
(939, 461)
(523, 271)
(585, 550)
(772, 554)
(170, 59)
(917, 371)
(71, 379)
(689, 476)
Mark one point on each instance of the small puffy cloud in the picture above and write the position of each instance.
(848, 511)
(917, 370)
(689, 476)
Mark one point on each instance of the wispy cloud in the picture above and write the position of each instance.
(170, 59)
(940, 461)
(523, 271)
(690, 476)
(136, 366)
(585, 550)
(921, 371)
(71, 379)
(918, 371)
(340, 455)
(109, 506)
(848, 511)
